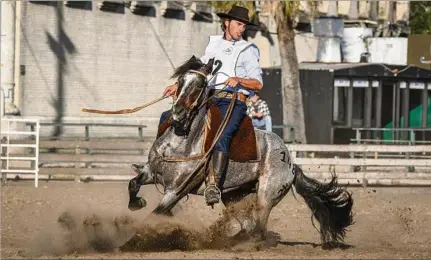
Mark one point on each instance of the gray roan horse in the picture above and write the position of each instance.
(270, 178)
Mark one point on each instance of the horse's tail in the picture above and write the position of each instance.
(330, 204)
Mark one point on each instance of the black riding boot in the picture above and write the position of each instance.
(220, 161)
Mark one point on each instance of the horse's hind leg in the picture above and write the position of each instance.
(239, 207)
(273, 186)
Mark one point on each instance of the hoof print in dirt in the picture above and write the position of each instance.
(92, 221)
(123, 221)
(66, 220)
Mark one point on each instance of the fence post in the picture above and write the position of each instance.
(87, 138)
(140, 133)
(293, 154)
(411, 142)
(77, 163)
(3, 164)
(141, 137)
(355, 168)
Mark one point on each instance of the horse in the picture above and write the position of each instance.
(177, 153)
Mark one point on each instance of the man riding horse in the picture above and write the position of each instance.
(208, 89)
(236, 64)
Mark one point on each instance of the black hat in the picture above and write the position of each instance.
(237, 13)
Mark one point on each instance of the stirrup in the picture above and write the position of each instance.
(212, 200)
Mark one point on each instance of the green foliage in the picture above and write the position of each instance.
(420, 17)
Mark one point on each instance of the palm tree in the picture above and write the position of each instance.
(284, 13)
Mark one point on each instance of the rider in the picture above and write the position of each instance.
(236, 64)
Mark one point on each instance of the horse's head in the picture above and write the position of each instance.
(192, 82)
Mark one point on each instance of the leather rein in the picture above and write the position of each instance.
(204, 159)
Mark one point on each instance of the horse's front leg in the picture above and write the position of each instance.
(169, 200)
(144, 177)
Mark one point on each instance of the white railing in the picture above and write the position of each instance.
(389, 164)
(7, 144)
(370, 155)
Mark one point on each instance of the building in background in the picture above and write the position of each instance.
(118, 54)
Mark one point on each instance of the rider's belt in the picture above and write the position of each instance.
(225, 94)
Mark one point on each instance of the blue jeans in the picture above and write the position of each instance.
(264, 123)
(238, 113)
(164, 116)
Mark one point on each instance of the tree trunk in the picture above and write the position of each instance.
(293, 111)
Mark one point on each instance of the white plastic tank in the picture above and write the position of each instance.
(390, 50)
(328, 49)
(353, 43)
(329, 30)
(328, 26)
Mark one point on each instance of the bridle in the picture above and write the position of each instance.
(192, 108)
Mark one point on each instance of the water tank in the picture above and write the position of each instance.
(328, 26)
(328, 49)
(329, 30)
(390, 50)
(353, 43)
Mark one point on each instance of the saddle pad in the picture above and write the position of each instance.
(244, 143)
(243, 147)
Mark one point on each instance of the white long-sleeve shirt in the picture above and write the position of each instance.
(247, 65)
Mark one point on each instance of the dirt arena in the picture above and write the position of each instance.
(391, 223)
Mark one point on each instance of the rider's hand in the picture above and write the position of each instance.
(170, 91)
(232, 81)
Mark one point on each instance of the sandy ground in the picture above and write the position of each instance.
(391, 223)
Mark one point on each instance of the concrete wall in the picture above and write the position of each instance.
(74, 58)
(77, 58)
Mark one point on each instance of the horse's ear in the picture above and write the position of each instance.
(193, 58)
(209, 66)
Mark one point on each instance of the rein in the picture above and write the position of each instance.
(123, 111)
(136, 109)
(205, 159)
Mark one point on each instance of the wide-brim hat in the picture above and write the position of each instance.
(237, 13)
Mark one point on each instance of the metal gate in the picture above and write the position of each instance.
(14, 147)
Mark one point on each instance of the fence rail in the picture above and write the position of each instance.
(89, 126)
(111, 160)
(399, 135)
(365, 164)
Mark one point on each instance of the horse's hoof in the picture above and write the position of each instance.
(137, 204)
(266, 244)
(330, 245)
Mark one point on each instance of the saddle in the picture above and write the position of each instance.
(244, 143)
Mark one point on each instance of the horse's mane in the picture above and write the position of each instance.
(192, 64)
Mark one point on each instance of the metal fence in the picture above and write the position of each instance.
(86, 159)
(18, 147)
